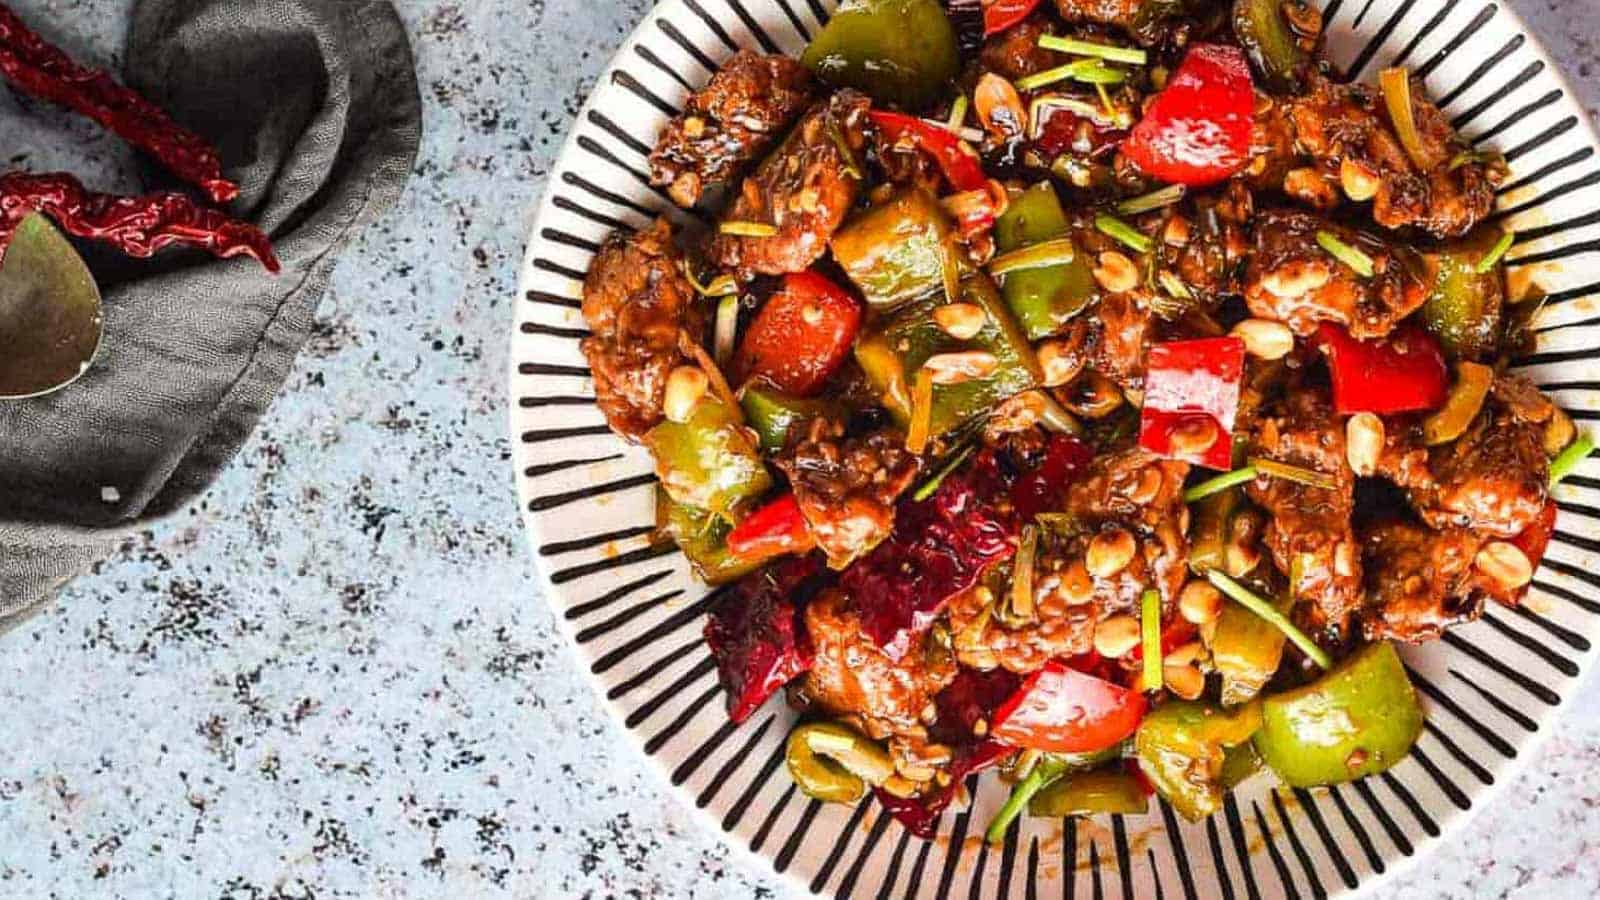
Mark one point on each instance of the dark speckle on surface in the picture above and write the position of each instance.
(335, 676)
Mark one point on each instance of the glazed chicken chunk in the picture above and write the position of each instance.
(1294, 279)
(728, 124)
(788, 209)
(637, 303)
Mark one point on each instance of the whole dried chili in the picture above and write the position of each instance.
(138, 226)
(43, 70)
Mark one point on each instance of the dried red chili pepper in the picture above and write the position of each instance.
(138, 226)
(43, 70)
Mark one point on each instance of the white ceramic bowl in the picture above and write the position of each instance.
(634, 613)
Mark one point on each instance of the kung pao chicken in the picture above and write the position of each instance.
(1097, 390)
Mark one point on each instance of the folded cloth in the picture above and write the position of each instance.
(315, 107)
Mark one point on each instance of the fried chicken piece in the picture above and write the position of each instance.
(728, 124)
(637, 301)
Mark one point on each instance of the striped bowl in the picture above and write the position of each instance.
(634, 612)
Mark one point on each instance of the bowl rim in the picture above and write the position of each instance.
(1528, 745)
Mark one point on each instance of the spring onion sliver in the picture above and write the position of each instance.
(921, 412)
(1022, 574)
(1150, 635)
(1105, 99)
(1248, 599)
(1123, 232)
(846, 155)
(958, 113)
(1174, 285)
(721, 286)
(1158, 199)
(1037, 779)
(726, 329)
(1053, 416)
(1088, 71)
(1359, 262)
(1296, 474)
(1219, 484)
(1396, 85)
(1057, 252)
(1107, 52)
(1567, 460)
(1487, 264)
(932, 484)
(748, 229)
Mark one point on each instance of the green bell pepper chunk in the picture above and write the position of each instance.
(900, 52)
(1247, 650)
(1240, 763)
(1042, 299)
(1463, 310)
(702, 537)
(1089, 793)
(892, 352)
(1358, 719)
(1265, 36)
(1180, 748)
(896, 251)
(1210, 519)
(710, 461)
(1047, 770)
(771, 413)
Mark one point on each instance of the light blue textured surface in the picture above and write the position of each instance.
(336, 676)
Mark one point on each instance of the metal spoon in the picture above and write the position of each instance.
(50, 315)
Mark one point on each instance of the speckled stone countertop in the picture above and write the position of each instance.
(336, 676)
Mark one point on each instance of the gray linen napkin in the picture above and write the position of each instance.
(316, 106)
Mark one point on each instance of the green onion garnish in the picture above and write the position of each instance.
(1088, 71)
(1107, 52)
(1174, 285)
(721, 286)
(1022, 574)
(1248, 599)
(932, 484)
(1057, 252)
(846, 155)
(1296, 474)
(958, 113)
(726, 329)
(1122, 231)
(748, 229)
(1499, 249)
(1055, 418)
(1105, 100)
(1158, 199)
(1219, 484)
(1150, 635)
(1036, 781)
(1396, 86)
(1567, 460)
(1350, 256)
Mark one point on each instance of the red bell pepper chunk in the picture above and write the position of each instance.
(1404, 372)
(1189, 380)
(958, 163)
(998, 15)
(1197, 131)
(773, 530)
(1062, 710)
(800, 337)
